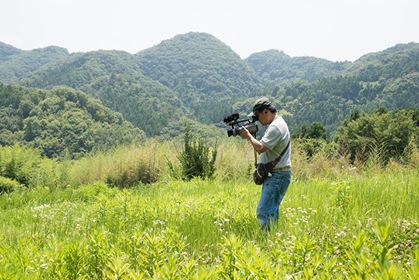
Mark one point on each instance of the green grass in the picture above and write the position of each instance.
(352, 226)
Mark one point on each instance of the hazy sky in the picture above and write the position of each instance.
(331, 29)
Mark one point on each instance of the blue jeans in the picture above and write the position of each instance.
(273, 191)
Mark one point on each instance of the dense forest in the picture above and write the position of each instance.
(61, 122)
(16, 64)
(195, 80)
(208, 76)
(114, 78)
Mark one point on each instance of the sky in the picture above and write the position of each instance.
(337, 30)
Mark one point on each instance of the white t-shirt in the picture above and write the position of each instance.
(275, 140)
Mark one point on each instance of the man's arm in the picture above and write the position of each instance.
(257, 145)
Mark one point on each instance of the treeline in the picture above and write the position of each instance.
(61, 122)
(379, 136)
(374, 138)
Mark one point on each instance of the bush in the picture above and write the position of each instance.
(26, 166)
(140, 173)
(312, 146)
(197, 159)
(8, 185)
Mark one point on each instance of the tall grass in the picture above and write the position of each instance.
(99, 166)
(235, 162)
(149, 162)
(363, 224)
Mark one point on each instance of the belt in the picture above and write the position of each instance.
(285, 168)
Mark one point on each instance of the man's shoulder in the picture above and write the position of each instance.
(279, 122)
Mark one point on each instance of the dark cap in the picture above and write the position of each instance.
(261, 103)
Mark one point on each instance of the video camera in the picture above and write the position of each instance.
(238, 124)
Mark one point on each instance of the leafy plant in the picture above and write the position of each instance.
(197, 159)
(8, 185)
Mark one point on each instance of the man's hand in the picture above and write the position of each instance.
(245, 134)
(257, 145)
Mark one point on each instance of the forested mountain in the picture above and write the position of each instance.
(276, 68)
(394, 62)
(16, 64)
(387, 79)
(61, 121)
(6, 51)
(81, 69)
(114, 77)
(208, 76)
(198, 78)
(146, 103)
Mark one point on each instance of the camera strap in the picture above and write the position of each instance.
(276, 160)
(256, 157)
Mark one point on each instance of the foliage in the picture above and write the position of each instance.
(197, 159)
(26, 166)
(147, 104)
(380, 135)
(315, 131)
(61, 122)
(8, 185)
(312, 138)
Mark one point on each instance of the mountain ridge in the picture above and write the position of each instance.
(197, 77)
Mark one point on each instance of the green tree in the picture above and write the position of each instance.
(381, 134)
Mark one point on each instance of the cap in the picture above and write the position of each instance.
(259, 105)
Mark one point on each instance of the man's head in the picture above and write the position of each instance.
(264, 111)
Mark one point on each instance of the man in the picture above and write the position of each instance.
(274, 141)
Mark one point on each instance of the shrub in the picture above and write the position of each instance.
(26, 166)
(137, 170)
(197, 159)
(8, 185)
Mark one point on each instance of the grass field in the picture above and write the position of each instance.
(362, 226)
